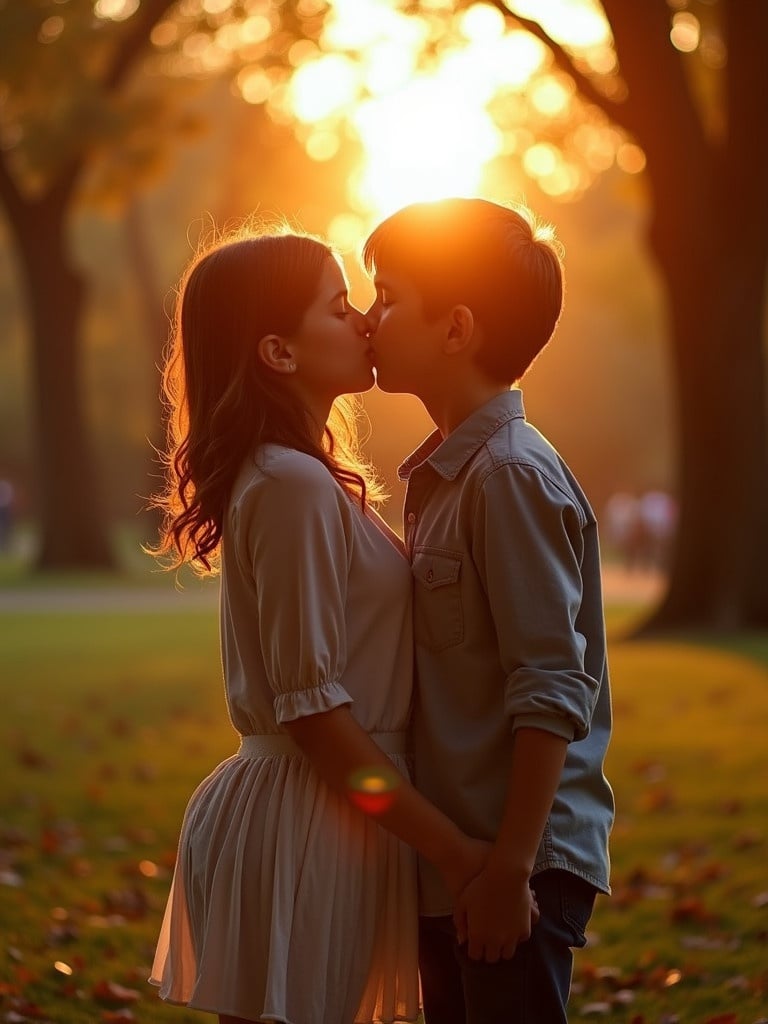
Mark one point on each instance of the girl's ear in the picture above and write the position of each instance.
(275, 353)
(461, 328)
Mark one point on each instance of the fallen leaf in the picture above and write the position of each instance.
(111, 992)
(32, 759)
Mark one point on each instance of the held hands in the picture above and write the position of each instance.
(494, 914)
(464, 862)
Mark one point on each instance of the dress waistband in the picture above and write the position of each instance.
(281, 745)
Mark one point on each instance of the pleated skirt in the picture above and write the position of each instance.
(287, 904)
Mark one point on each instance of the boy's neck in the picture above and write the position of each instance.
(453, 404)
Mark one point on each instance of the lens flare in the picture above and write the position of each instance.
(373, 789)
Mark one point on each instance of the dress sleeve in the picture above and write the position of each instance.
(295, 537)
(528, 546)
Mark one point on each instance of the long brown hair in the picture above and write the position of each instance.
(222, 402)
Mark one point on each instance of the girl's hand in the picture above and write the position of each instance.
(463, 863)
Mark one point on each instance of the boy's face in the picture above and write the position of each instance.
(406, 345)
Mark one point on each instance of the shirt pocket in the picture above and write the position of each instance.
(438, 612)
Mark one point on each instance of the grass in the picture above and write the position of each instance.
(109, 721)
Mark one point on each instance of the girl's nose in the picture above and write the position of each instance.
(360, 321)
(373, 316)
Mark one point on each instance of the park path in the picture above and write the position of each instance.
(620, 586)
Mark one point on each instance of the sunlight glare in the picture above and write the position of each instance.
(426, 141)
(115, 10)
(322, 145)
(578, 23)
(254, 84)
(686, 31)
(216, 6)
(551, 96)
(389, 66)
(429, 132)
(540, 160)
(256, 28)
(357, 24)
(346, 230)
(482, 23)
(597, 145)
(630, 158)
(322, 87)
(165, 33)
(515, 59)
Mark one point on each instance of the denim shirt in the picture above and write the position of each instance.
(509, 631)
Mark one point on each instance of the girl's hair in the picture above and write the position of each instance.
(222, 402)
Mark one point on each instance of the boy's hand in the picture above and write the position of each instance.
(494, 915)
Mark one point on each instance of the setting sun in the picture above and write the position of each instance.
(418, 97)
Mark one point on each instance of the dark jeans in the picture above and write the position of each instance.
(532, 987)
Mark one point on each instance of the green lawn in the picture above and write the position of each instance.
(109, 721)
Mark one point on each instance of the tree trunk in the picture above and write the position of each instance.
(73, 530)
(716, 297)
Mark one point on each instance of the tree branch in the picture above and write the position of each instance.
(620, 113)
(667, 120)
(133, 41)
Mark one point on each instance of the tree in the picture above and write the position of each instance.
(709, 236)
(37, 194)
(91, 98)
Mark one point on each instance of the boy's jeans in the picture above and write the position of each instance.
(532, 987)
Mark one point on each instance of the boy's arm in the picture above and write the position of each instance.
(527, 545)
(494, 913)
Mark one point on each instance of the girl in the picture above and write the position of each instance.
(288, 903)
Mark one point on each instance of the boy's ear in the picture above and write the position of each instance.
(461, 328)
(276, 354)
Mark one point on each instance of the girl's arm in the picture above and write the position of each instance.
(339, 747)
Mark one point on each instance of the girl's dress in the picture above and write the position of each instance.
(287, 903)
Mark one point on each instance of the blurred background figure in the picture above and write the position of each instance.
(639, 530)
(658, 520)
(621, 517)
(7, 508)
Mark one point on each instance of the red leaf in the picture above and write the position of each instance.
(111, 992)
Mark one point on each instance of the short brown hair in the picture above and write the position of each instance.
(494, 259)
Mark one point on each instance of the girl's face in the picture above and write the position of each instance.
(330, 350)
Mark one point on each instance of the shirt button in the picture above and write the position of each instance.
(430, 576)
(411, 517)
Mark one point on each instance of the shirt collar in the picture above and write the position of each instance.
(448, 457)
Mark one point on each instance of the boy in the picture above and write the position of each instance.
(512, 716)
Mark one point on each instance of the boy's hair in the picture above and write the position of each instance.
(494, 259)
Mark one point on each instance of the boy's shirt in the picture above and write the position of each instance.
(509, 632)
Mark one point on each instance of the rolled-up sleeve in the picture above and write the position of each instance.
(528, 546)
(294, 531)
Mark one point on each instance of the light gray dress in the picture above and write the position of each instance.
(287, 903)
